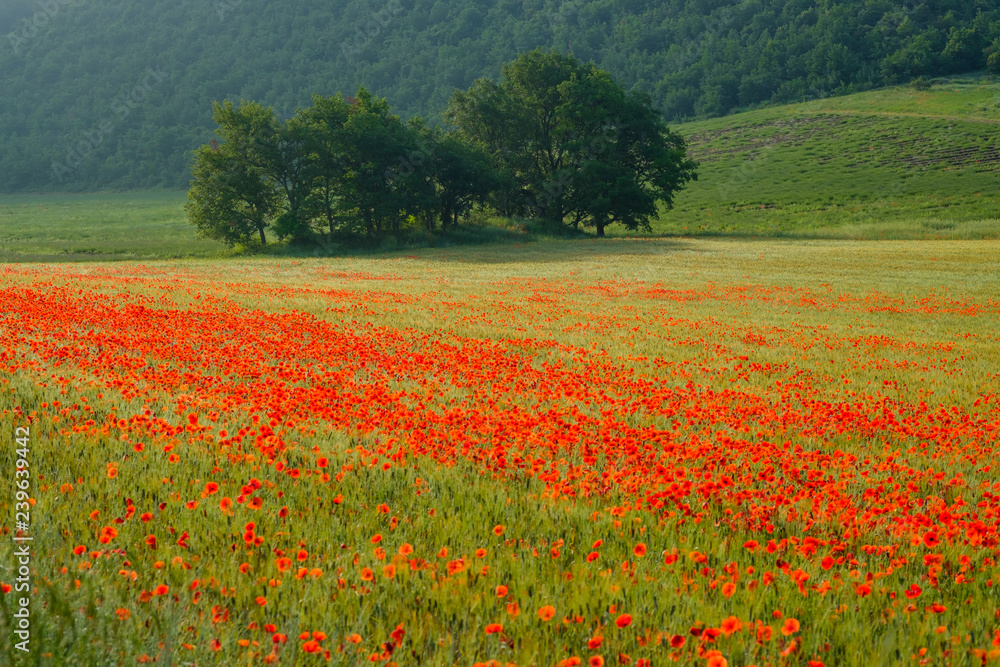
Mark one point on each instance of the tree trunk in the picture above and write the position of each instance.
(263, 239)
(445, 216)
(600, 230)
(329, 211)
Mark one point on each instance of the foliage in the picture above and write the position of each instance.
(571, 143)
(70, 96)
(562, 133)
(338, 169)
(235, 192)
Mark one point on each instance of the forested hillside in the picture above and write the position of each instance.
(117, 94)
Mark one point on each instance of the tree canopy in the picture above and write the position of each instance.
(119, 94)
(341, 168)
(556, 139)
(571, 143)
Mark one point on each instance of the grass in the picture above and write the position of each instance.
(444, 442)
(889, 164)
(108, 226)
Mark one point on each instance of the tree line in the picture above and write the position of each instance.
(555, 140)
(63, 80)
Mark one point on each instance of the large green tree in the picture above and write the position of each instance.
(488, 116)
(375, 140)
(448, 173)
(286, 152)
(233, 197)
(324, 122)
(572, 144)
(622, 162)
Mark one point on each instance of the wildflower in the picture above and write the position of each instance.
(790, 627)
(731, 625)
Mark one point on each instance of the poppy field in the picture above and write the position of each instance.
(635, 452)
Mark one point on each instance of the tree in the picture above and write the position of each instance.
(375, 143)
(964, 49)
(574, 143)
(622, 159)
(993, 57)
(464, 175)
(489, 118)
(459, 174)
(324, 124)
(232, 197)
(285, 151)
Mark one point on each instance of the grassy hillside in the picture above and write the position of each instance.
(894, 163)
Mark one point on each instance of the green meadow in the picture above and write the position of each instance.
(898, 163)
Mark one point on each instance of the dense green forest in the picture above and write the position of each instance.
(116, 94)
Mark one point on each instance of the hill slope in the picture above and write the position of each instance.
(899, 163)
(119, 92)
